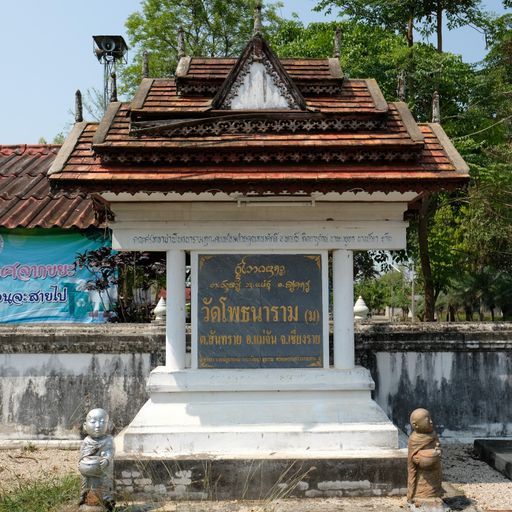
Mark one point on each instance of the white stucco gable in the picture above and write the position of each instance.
(258, 81)
(259, 90)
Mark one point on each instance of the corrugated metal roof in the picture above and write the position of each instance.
(25, 197)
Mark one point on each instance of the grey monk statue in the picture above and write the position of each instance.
(96, 464)
(424, 474)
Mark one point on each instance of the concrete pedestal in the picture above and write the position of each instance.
(258, 412)
(235, 417)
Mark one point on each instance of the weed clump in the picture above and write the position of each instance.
(41, 495)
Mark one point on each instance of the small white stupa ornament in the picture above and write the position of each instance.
(160, 311)
(360, 309)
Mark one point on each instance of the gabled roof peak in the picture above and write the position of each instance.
(258, 81)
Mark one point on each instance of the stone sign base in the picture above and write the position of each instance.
(242, 413)
(382, 473)
(233, 434)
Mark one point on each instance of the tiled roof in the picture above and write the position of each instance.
(298, 69)
(432, 170)
(182, 136)
(25, 197)
(162, 96)
(396, 135)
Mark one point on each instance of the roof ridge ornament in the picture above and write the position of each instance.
(113, 87)
(436, 108)
(145, 64)
(258, 27)
(79, 116)
(181, 43)
(337, 43)
(401, 86)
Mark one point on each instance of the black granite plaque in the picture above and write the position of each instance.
(259, 311)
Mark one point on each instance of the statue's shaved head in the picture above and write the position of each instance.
(421, 421)
(418, 414)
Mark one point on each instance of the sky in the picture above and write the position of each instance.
(47, 55)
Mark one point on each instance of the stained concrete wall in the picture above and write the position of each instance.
(51, 375)
(462, 373)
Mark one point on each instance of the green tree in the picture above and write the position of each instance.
(491, 108)
(392, 15)
(403, 16)
(215, 28)
(458, 13)
(487, 223)
(371, 51)
(373, 293)
(397, 288)
(389, 289)
(59, 138)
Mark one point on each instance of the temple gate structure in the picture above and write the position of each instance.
(263, 170)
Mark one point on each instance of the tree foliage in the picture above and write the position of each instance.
(128, 272)
(372, 52)
(391, 289)
(212, 28)
(403, 16)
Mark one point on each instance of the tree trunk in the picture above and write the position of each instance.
(451, 314)
(439, 25)
(426, 269)
(410, 31)
(506, 310)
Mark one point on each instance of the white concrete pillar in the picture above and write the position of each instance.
(175, 342)
(343, 313)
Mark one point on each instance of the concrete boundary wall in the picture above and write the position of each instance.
(461, 372)
(51, 375)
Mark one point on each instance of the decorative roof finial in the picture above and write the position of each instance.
(113, 94)
(79, 116)
(436, 108)
(181, 43)
(258, 28)
(145, 64)
(337, 43)
(401, 86)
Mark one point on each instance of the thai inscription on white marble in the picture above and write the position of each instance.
(192, 237)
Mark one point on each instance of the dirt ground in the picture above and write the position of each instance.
(485, 488)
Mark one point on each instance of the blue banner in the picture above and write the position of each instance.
(39, 281)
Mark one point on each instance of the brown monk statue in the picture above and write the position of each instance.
(424, 474)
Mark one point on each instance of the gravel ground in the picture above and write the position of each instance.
(490, 489)
(479, 482)
(20, 466)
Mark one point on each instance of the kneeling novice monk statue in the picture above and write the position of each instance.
(424, 472)
(96, 464)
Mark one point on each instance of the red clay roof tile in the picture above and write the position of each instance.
(25, 197)
(393, 153)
